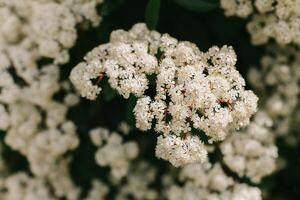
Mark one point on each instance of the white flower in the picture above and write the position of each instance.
(252, 152)
(193, 89)
(180, 151)
(277, 19)
(209, 182)
(113, 152)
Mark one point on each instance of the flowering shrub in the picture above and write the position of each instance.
(193, 89)
(189, 103)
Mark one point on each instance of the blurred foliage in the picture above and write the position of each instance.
(152, 13)
(110, 6)
(108, 93)
(198, 5)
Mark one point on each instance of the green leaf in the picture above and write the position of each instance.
(108, 92)
(111, 6)
(198, 5)
(131, 102)
(152, 13)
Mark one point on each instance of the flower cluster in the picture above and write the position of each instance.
(112, 152)
(35, 36)
(199, 90)
(277, 82)
(209, 182)
(32, 29)
(57, 185)
(124, 60)
(251, 153)
(38, 126)
(138, 183)
(193, 89)
(22, 186)
(98, 191)
(180, 151)
(276, 19)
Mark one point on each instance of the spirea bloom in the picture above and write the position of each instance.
(209, 182)
(270, 19)
(277, 80)
(194, 89)
(113, 152)
(252, 153)
(180, 151)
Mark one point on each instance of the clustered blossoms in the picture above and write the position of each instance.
(132, 178)
(38, 126)
(112, 152)
(35, 36)
(125, 61)
(139, 183)
(251, 153)
(279, 70)
(209, 182)
(21, 186)
(98, 191)
(180, 151)
(56, 185)
(193, 89)
(276, 19)
(32, 29)
(136, 184)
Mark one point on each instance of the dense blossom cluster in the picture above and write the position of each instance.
(32, 29)
(112, 152)
(209, 182)
(279, 70)
(276, 19)
(248, 152)
(38, 126)
(98, 191)
(57, 185)
(137, 183)
(35, 121)
(131, 180)
(180, 151)
(21, 186)
(125, 61)
(193, 89)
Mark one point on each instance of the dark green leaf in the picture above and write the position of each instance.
(108, 92)
(152, 13)
(111, 6)
(131, 102)
(198, 5)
